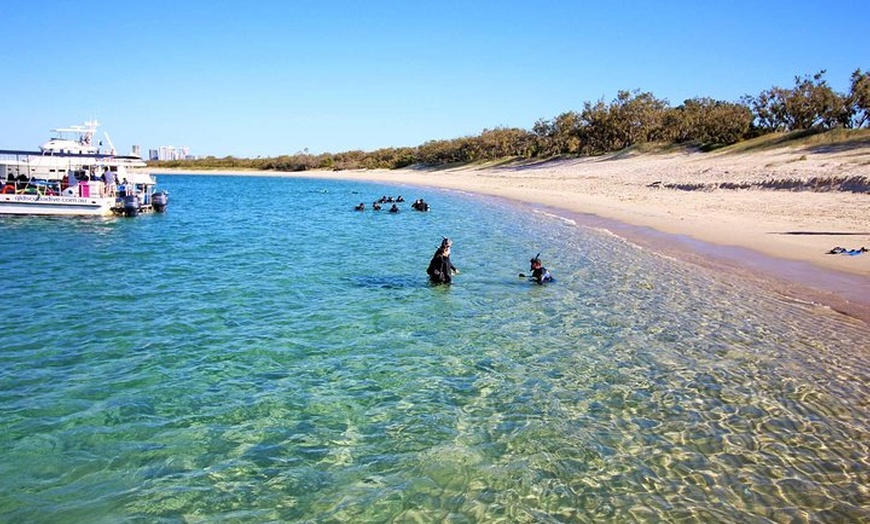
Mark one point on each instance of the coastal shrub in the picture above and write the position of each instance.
(708, 123)
(810, 104)
(859, 99)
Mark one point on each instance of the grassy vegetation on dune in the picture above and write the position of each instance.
(820, 141)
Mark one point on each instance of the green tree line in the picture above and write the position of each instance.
(632, 118)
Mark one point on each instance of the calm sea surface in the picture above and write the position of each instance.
(263, 353)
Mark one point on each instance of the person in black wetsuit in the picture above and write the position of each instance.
(440, 269)
(539, 272)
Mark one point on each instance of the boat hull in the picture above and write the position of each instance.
(11, 204)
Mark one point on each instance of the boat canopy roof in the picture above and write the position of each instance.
(73, 139)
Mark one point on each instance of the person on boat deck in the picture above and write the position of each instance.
(109, 179)
(440, 269)
(539, 272)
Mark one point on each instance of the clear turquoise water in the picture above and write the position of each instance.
(262, 353)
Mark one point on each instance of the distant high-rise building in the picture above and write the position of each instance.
(137, 151)
(169, 153)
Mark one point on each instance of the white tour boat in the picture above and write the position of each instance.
(71, 175)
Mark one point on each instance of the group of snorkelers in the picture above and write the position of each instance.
(419, 204)
(441, 269)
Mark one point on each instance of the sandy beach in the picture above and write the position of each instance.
(779, 237)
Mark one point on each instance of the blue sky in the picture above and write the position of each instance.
(265, 78)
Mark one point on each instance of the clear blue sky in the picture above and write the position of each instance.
(265, 78)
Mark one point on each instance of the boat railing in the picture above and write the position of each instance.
(41, 187)
(18, 154)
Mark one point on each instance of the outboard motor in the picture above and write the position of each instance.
(159, 201)
(131, 206)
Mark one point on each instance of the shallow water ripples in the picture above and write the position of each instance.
(266, 366)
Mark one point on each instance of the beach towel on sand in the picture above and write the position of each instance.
(851, 252)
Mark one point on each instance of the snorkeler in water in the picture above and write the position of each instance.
(440, 269)
(540, 274)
